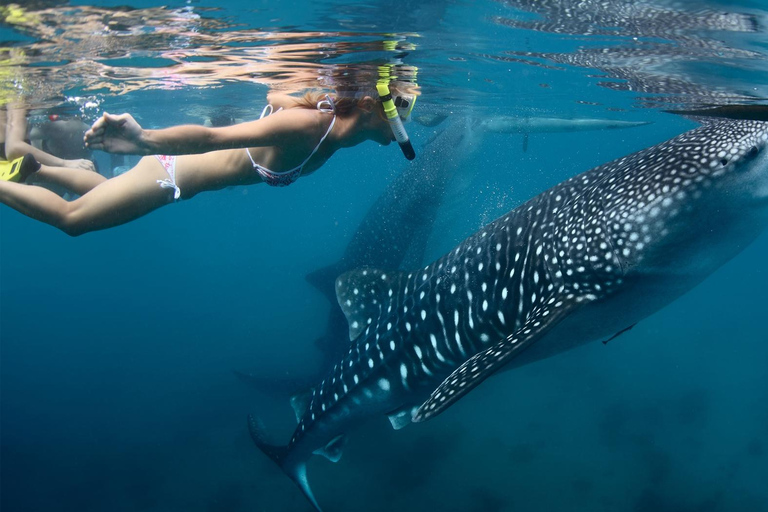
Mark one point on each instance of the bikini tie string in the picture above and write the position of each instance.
(167, 183)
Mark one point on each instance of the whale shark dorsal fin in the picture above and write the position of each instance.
(300, 403)
(363, 292)
(332, 451)
(483, 364)
(322, 279)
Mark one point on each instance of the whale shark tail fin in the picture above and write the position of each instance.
(296, 470)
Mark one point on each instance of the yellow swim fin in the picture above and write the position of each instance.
(19, 169)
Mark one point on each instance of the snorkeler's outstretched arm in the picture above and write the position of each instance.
(122, 134)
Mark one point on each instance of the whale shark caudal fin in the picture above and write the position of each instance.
(296, 471)
(484, 364)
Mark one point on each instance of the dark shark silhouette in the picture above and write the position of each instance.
(580, 262)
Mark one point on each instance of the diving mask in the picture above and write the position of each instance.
(404, 105)
(396, 115)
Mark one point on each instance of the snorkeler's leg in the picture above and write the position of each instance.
(78, 181)
(113, 202)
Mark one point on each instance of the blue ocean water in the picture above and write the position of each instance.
(117, 348)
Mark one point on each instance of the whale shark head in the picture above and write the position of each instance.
(688, 205)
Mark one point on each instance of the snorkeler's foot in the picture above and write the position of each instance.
(28, 166)
(19, 169)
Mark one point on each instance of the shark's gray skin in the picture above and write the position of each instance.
(580, 262)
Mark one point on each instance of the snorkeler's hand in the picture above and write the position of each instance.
(80, 163)
(116, 134)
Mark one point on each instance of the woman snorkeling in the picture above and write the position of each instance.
(295, 138)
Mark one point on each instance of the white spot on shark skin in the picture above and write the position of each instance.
(433, 340)
(384, 384)
(392, 345)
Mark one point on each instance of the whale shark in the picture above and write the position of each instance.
(395, 230)
(580, 262)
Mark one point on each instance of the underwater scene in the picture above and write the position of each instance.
(443, 297)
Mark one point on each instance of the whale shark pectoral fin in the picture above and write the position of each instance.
(483, 364)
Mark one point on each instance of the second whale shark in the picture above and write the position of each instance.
(580, 262)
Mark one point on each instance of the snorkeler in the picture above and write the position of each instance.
(18, 140)
(295, 138)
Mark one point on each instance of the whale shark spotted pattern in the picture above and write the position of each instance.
(580, 262)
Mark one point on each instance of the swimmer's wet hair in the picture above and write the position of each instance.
(346, 101)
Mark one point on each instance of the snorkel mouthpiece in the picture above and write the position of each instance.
(394, 121)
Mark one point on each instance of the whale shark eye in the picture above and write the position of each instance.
(723, 162)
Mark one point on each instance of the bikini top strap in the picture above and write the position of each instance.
(269, 109)
(330, 127)
(253, 162)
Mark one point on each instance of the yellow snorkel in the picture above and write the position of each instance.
(393, 118)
